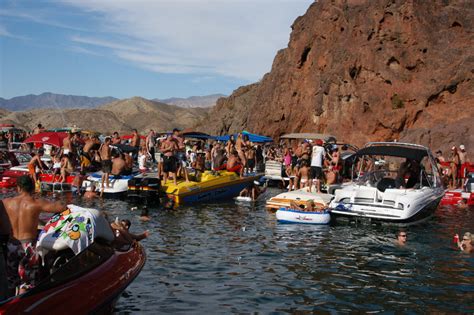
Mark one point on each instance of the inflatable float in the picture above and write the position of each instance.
(288, 215)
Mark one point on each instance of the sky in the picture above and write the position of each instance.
(148, 48)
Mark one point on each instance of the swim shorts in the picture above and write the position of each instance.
(22, 264)
(106, 166)
(251, 163)
(316, 172)
(169, 164)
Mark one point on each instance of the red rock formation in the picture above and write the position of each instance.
(367, 71)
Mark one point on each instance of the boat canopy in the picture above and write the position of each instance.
(403, 150)
(197, 135)
(310, 136)
(252, 137)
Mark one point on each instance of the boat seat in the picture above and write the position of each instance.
(386, 183)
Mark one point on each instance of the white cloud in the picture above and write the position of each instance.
(5, 33)
(208, 37)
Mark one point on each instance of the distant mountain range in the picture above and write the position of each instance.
(193, 101)
(60, 101)
(51, 100)
(120, 115)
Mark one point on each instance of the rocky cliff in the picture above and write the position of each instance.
(367, 71)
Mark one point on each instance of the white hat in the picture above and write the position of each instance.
(462, 147)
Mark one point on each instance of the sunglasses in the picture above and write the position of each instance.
(466, 239)
(402, 235)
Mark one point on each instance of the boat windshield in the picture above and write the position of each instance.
(395, 172)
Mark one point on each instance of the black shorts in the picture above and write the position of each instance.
(316, 172)
(169, 164)
(251, 163)
(106, 166)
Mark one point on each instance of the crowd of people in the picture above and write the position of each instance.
(453, 169)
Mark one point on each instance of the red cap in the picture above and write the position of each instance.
(319, 142)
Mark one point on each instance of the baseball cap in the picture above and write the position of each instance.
(462, 147)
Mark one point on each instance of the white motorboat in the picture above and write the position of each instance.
(118, 185)
(395, 182)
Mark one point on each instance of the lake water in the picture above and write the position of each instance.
(235, 258)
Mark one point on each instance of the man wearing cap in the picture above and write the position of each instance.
(23, 213)
(463, 154)
(317, 160)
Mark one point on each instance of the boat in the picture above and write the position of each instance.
(211, 185)
(289, 215)
(86, 282)
(118, 183)
(145, 187)
(380, 193)
(297, 196)
(49, 182)
(455, 197)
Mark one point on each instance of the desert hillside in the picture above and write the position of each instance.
(116, 116)
(367, 71)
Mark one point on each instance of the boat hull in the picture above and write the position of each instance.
(421, 214)
(219, 186)
(95, 291)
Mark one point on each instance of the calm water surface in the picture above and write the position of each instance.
(235, 258)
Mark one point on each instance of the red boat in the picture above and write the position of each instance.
(81, 272)
(454, 197)
(8, 178)
(90, 282)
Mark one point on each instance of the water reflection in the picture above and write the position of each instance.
(235, 258)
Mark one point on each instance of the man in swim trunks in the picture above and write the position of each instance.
(34, 163)
(135, 143)
(317, 161)
(168, 148)
(106, 162)
(180, 153)
(250, 155)
(5, 233)
(23, 212)
(91, 144)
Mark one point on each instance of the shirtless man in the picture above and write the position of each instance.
(234, 164)
(150, 145)
(66, 168)
(5, 234)
(180, 154)
(250, 155)
(219, 160)
(168, 148)
(303, 175)
(241, 147)
(67, 143)
(90, 144)
(38, 129)
(23, 212)
(34, 163)
(118, 164)
(135, 143)
(106, 163)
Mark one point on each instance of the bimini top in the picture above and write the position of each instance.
(403, 150)
(311, 136)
